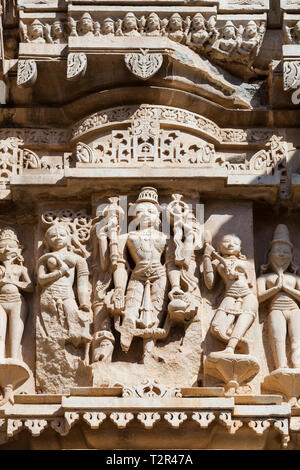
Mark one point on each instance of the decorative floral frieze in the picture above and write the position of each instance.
(36, 137)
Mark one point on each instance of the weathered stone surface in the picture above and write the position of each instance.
(149, 235)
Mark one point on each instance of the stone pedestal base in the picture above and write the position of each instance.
(12, 374)
(232, 369)
(285, 381)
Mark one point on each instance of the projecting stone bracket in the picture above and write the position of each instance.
(190, 407)
(27, 73)
(76, 65)
(144, 64)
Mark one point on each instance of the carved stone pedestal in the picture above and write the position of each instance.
(285, 381)
(12, 374)
(232, 369)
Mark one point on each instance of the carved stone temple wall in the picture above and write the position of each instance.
(149, 224)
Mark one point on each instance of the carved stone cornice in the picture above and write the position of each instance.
(62, 413)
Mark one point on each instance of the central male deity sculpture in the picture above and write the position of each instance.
(138, 299)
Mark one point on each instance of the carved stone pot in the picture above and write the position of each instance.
(232, 369)
(285, 381)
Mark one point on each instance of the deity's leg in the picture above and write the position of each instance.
(3, 326)
(294, 334)
(134, 296)
(278, 329)
(18, 314)
(222, 320)
(243, 322)
(75, 324)
(159, 298)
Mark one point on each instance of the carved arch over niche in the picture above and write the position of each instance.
(152, 135)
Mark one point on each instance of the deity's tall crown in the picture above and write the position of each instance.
(281, 235)
(148, 194)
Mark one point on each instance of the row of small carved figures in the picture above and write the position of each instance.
(196, 32)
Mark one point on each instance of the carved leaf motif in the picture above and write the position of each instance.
(27, 73)
(291, 75)
(60, 425)
(36, 426)
(14, 426)
(71, 418)
(76, 66)
(121, 419)
(94, 419)
(203, 418)
(259, 425)
(231, 424)
(150, 388)
(175, 418)
(282, 425)
(148, 419)
(143, 65)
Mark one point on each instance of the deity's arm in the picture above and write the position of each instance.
(209, 267)
(25, 281)
(120, 274)
(293, 292)
(263, 293)
(173, 271)
(83, 283)
(45, 278)
(103, 251)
